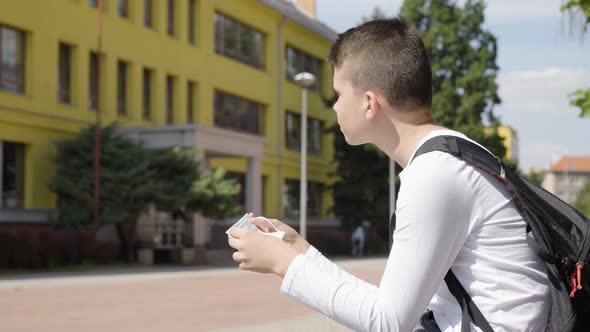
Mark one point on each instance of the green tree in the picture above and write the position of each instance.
(213, 195)
(122, 171)
(535, 177)
(580, 98)
(583, 201)
(132, 178)
(464, 69)
(376, 14)
(361, 191)
(581, 6)
(358, 197)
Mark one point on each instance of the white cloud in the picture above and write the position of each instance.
(544, 147)
(544, 154)
(540, 91)
(555, 151)
(522, 9)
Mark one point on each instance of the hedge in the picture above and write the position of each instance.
(41, 247)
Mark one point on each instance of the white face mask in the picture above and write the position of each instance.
(244, 222)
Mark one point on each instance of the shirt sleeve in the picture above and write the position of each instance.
(325, 264)
(433, 221)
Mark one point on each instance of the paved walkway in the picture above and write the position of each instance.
(164, 299)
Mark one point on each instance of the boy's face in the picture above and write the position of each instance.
(351, 109)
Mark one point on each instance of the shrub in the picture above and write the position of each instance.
(39, 247)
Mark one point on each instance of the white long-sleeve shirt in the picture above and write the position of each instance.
(449, 215)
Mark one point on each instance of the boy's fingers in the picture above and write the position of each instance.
(234, 243)
(238, 232)
(263, 226)
(237, 257)
(265, 223)
(264, 229)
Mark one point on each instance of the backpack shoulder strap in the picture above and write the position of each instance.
(465, 150)
(468, 307)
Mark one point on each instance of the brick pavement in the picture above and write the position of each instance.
(219, 299)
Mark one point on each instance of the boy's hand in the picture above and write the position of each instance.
(260, 253)
(291, 236)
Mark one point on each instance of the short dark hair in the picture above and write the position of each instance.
(387, 55)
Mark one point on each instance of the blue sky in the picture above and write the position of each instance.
(540, 63)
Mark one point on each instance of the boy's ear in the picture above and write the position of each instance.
(372, 105)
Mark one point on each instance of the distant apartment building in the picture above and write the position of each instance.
(566, 177)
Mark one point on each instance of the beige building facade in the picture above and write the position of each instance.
(567, 177)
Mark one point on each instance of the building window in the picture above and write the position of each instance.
(122, 72)
(190, 101)
(123, 8)
(170, 23)
(315, 128)
(147, 94)
(12, 171)
(12, 60)
(148, 14)
(93, 81)
(169, 99)
(93, 3)
(238, 113)
(192, 12)
(239, 42)
(64, 74)
(291, 198)
(298, 61)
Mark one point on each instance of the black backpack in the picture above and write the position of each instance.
(555, 231)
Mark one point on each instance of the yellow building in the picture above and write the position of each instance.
(216, 76)
(509, 140)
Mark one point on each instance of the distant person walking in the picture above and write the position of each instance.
(358, 241)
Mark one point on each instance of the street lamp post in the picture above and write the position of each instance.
(305, 80)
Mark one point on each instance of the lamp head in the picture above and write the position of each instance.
(305, 79)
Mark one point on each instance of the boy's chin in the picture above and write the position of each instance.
(353, 141)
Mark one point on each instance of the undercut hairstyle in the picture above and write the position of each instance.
(387, 56)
